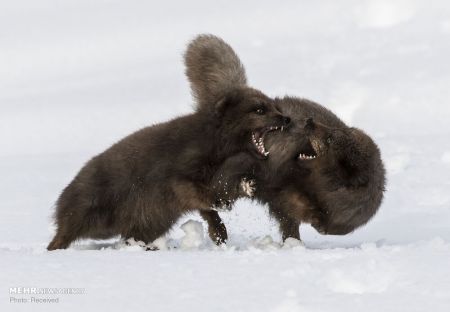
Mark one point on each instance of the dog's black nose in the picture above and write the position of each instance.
(286, 120)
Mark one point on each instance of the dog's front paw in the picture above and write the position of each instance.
(248, 187)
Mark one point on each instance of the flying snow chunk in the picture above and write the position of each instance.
(265, 243)
(194, 237)
(161, 243)
(291, 242)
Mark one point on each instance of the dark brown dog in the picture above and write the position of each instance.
(139, 187)
(329, 176)
(320, 171)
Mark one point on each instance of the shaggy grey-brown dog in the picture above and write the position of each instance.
(320, 171)
(323, 173)
(140, 186)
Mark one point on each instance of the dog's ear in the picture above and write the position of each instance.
(220, 106)
(213, 69)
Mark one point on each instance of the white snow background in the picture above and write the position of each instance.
(77, 75)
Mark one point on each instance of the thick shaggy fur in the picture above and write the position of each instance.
(213, 69)
(139, 187)
(337, 192)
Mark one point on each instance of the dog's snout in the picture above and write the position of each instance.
(286, 120)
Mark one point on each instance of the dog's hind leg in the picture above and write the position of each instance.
(216, 228)
(75, 219)
(62, 239)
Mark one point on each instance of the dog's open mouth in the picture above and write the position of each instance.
(310, 151)
(258, 139)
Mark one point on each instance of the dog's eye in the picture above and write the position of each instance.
(329, 139)
(260, 111)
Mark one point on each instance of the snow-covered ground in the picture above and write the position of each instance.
(75, 76)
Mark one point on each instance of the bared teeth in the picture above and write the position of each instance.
(259, 144)
(304, 157)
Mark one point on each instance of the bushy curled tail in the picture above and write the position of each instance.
(213, 69)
